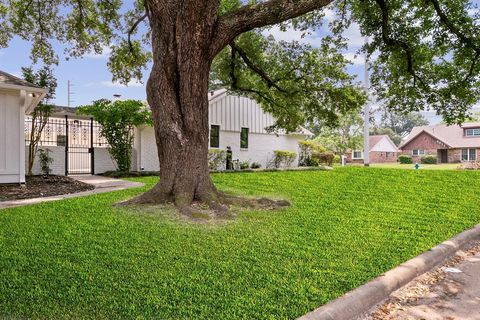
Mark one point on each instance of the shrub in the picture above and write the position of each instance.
(429, 159)
(45, 161)
(307, 148)
(404, 159)
(117, 119)
(244, 165)
(216, 159)
(337, 159)
(255, 165)
(283, 158)
(325, 158)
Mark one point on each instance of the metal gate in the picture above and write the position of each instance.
(79, 151)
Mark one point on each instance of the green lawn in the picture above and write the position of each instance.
(441, 166)
(84, 259)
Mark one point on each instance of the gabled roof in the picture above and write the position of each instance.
(12, 82)
(374, 142)
(452, 136)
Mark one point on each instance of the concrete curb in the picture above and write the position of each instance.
(362, 299)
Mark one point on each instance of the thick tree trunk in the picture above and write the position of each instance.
(177, 93)
(186, 36)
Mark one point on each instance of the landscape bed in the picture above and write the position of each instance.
(40, 186)
(83, 258)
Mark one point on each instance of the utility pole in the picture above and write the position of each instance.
(69, 94)
(366, 129)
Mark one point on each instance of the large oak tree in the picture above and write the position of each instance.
(428, 52)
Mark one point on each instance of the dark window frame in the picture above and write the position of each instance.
(244, 139)
(214, 136)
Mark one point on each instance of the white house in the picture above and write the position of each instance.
(17, 97)
(235, 122)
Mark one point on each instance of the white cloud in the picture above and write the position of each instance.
(293, 35)
(104, 55)
(355, 38)
(330, 15)
(356, 59)
(111, 84)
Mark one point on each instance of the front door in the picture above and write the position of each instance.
(443, 155)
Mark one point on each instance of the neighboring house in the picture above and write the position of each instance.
(450, 144)
(17, 97)
(235, 122)
(382, 149)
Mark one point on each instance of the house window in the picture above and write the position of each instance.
(469, 154)
(214, 136)
(357, 155)
(418, 152)
(472, 132)
(244, 138)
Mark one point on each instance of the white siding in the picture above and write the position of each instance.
(232, 113)
(384, 145)
(148, 159)
(11, 138)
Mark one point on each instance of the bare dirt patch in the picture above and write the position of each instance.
(39, 187)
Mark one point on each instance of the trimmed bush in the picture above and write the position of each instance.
(429, 159)
(337, 159)
(283, 158)
(404, 159)
(325, 158)
(216, 159)
(307, 148)
(244, 165)
(256, 165)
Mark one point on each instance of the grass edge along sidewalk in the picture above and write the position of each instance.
(360, 300)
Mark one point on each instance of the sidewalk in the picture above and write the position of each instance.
(102, 185)
(443, 294)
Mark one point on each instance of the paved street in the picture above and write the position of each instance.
(439, 295)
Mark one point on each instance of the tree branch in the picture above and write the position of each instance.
(259, 71)
(453, 29)
(259, 15)
(132, 30)
(391, 42)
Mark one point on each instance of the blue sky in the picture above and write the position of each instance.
(91, 79)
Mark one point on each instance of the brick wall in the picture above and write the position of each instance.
(57, 166)
(375, 157)
(425, 142)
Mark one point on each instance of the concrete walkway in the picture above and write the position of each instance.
(451, 292)
(102, 185)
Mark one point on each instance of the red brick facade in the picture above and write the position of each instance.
(433, 146)
(375, 157)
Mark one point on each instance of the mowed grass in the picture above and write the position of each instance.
(440, 166)
(84, 259)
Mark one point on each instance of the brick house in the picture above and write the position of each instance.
(450, 144)
(382, 149)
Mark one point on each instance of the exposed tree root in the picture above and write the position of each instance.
(216, 205)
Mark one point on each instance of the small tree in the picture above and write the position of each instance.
(118, 118)
(45, 161)
(43, 78)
